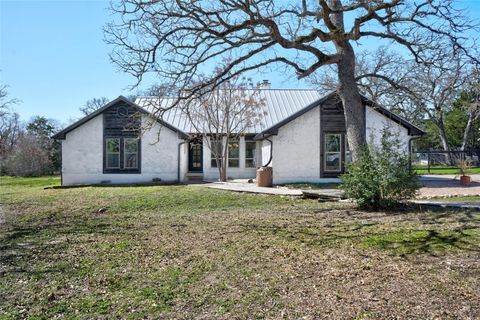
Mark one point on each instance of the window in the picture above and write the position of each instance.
(122, 155)
(250, 149)
(216, 149)
(130, 153)
(333, 153)
(233, 154)
(113, 153)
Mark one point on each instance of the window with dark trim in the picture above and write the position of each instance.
(112, 150)
(250, 150)
(122, 155)
(121, 131)
(333, 154)
(130, 152)
(233, 153)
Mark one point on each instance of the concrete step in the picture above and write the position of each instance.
(195, 176)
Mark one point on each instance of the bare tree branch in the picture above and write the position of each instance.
(179, 39)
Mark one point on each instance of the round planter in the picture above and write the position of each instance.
(465, 180)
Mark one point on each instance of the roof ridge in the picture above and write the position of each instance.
(260, 89)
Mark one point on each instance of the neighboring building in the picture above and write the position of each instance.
(302, 136)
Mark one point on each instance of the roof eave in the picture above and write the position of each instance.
(265, 135)
(413, 130)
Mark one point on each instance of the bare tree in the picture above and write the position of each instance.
(10, 130)
(10, 126)
(223, 114)
(437, 87)
(29, 158)
(92, 105)
(159, 90)
(176, 39)
(471, 104)
(5, 101)
(382, 76)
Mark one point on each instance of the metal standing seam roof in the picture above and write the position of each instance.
(278, 104)
(280, 107)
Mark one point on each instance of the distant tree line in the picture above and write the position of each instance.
(26, 149)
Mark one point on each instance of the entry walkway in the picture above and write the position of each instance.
(433, 186)
(243, 186)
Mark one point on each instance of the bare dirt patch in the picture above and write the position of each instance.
(2, 214)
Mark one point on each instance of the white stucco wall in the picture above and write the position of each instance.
(296, 150)
(82, 155)
(377, 122)
(183, 161)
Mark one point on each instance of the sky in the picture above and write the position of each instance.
(53, 57)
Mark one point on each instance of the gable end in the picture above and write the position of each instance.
(120, 101)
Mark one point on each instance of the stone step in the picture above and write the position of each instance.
(195, 176)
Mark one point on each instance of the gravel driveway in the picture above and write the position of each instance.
(447, 186)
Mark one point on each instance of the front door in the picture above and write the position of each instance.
(335, 154)
(195, 157)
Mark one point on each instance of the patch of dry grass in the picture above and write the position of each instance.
(190, 252)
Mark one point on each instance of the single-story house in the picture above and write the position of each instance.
(301, 136)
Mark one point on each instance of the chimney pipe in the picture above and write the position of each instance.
(265, 84)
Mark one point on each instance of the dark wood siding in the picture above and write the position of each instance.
(121, 121)
(332, 117)
(332, 120)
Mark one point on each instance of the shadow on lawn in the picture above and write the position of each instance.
(432, 233)
(433, 242)
(21, 247)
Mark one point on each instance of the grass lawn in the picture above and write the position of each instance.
(472, 199)
(187, 252)
(442, 170)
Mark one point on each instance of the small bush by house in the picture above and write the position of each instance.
(382, 176)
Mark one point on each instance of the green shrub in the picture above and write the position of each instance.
(382, 176)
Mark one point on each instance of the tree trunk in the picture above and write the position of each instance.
(223, 173)
(353, 107)
(444, 140)
(442, 135)
(221, 168)
(348, 91)
(468, 128)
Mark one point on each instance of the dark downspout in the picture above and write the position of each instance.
(271, 152)
(61, 163)
(178, 160)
